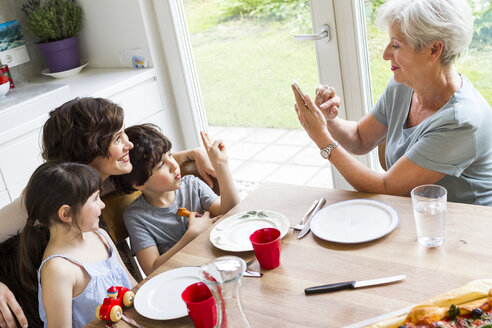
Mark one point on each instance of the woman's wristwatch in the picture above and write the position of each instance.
(326, 152)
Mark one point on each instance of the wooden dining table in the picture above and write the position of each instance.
(278, 300)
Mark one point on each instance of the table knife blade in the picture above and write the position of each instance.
(253, 274)
(352, 284)
(307, 225)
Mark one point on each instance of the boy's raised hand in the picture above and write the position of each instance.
(216, 150)
(229, 196)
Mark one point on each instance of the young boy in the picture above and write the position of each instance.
(156, 231)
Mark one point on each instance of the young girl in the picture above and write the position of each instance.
(64, 254)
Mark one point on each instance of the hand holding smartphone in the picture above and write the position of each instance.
(298, 89)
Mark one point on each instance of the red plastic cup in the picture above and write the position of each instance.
(266, 244)
(201, 305)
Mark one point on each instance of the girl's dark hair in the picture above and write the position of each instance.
(51, 186)
(81, 130)
(149, 145)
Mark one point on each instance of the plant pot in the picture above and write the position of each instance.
(61, 55)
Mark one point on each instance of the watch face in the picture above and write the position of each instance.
(326, 152)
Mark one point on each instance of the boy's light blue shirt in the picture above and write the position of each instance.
(456, 140)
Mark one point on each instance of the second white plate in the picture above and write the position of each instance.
(160, 297)
(354, 221)
(232, 234)
(64, 74)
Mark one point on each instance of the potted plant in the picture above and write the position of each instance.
(56, 23)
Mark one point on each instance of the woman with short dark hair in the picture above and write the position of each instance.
(81, 129)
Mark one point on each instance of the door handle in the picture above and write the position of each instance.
(324, 34)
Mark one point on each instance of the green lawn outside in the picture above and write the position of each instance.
(245, 80)
(245, 67)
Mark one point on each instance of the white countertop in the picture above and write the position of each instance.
(26, 107)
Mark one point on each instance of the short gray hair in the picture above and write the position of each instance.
(425, 21)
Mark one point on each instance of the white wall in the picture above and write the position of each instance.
(110, 26)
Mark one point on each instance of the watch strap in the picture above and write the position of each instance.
(326, 151)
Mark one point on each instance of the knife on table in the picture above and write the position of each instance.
(253, 274)
(307, 225)
(352, 284)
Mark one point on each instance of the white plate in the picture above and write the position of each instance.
(64, 74)
(160, 297)
(354, 221)
(232, 234)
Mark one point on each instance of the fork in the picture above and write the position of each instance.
(298, 227)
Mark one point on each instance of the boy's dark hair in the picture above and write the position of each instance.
(149, 145)
(81, 130)
(51, 186)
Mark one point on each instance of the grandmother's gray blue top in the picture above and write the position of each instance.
(456, 140)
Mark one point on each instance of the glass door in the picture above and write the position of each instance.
(246, 58)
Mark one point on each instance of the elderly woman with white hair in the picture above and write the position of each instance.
(435, 123)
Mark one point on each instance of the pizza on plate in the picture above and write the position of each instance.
(465, 307)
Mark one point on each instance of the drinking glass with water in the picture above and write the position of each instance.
(429, 209)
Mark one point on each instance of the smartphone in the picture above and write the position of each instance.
(298, 89)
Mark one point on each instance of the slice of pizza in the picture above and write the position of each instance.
(467, 306)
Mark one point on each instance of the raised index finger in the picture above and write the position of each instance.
(205, 139)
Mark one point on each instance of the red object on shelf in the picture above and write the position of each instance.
(4, 70)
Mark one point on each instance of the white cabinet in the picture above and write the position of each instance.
(20, 157)
(18, 160)
(170, 130)
(139, 102)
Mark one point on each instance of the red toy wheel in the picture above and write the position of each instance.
(97, 311)
(115, 313)
(128, 298)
